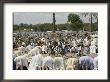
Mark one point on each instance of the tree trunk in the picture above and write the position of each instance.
(54, 22)
(91, 23)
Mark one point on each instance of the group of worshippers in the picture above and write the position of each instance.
(40, 51)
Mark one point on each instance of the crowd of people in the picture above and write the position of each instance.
(55, 51)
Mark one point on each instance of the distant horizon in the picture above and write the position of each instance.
(44, 17)
(47, 23)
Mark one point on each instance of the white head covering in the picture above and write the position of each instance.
(36, 62)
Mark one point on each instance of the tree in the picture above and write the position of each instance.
(91, 16)
(75, 21)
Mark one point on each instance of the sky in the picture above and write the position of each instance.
(44, 17)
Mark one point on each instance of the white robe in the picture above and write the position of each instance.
(16, 53)
(92, 49)
(44, 48)
(96, 63)
(48, 61)
(59, 63)
(23, 44)
(86, 42)
(36, 61)
(74, 43)
(21, 61)
(22, 49)
(28, 48)
(93, 42)
(33, 52)
(72, 49)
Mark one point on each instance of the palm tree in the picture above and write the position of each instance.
(91, 16)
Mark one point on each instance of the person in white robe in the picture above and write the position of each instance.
(93, 49)
(72, 49)
(36, 62)
(96, 63)
(79, 50)
(16, 53)
(86, 42)
(33, 52)
(93, 42)
(24, 44)
(28, 48)
(21, 61)
(59, 63)
(44, 49)
(22, 49)
(74, 43)
(48, 62)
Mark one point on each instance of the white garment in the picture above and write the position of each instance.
(72, 49)
(79, 40)
(17, 53)
(79, 48)
(59, 63)
(92, 49)
(96, 63)
(36, 61)
(25, 61)
(23, 43)
(21, 61)
(28, 48)
(93, 42)
(43, 40)
(74, 43)
(86, 42)
(44, 48)
(48, 61)
(14, 39)
(63, 46)
(33, 52)
(58, 43)
(22, 49)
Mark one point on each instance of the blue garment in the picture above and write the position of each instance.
(86, 63)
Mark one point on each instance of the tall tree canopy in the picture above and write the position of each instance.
(75, 21)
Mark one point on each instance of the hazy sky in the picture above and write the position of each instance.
(43, 17)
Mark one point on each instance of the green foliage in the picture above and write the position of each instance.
(73, 18)
(87, 27)
(75, 22)
(62, 27)
(94, 27)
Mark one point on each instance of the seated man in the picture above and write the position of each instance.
(21, 62)
(86, 63)
(72, 63)
(48, 62)
(36, 62)
(59, 63)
